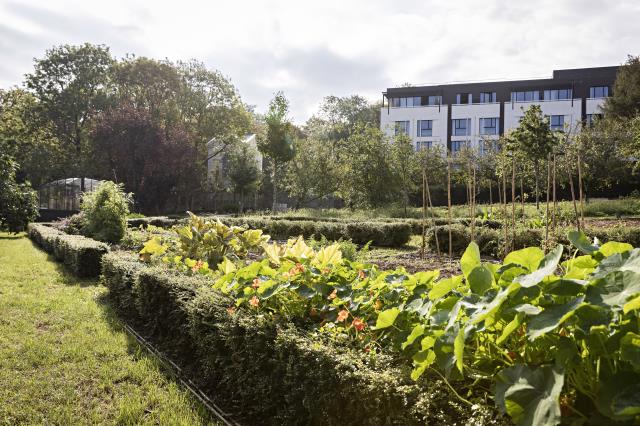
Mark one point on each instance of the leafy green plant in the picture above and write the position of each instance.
(105, 211)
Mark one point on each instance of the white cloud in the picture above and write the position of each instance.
(310, 50)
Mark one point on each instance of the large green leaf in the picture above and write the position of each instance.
(630, 349)
(458, 349)
(387, 318)
(613, 247)
(581, 242)
(614, 289)
(417, 331)
(547, 267)
(470, 259)
(618, 396)
(485, 309)
(444, 286)
(530, 395)
(529, 257)
(628, 261)
(552, 317)
(480, 279)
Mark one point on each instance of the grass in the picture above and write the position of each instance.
(65, 358)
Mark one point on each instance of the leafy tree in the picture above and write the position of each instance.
(243, 171)
(153, 160)
(28, 138)
(71, 84)
(278, 144)
(313, 173)
(533, 140)
(404, 165)
(342, 116)
(18, 202)
(625, 100)
(105, 212)
(369, 179)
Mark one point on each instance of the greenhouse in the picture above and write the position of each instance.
(64, 194)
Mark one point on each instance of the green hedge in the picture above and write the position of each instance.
(271, 372)
(80, 254)
(491, 240)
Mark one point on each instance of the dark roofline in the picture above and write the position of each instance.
(559, 78)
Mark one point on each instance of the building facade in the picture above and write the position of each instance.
(454, 115)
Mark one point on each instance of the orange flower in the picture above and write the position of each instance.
(358, 324)
(256, 283)
(342, 315)
(254, 302)
(333, 295)
(299, 268)
(231, 310)
(325, 271)
(361, 275)
(199, 264)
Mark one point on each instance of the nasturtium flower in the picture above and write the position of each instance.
(361, 274)
(358, 324)
(254, 302)
(199, 264)
(256, 283)
(333, 294)
(231, 310)
(343, 315)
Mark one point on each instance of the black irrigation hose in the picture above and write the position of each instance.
(186, 382)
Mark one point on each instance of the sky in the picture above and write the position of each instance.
(312, 49)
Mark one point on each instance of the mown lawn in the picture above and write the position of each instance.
(64, 357)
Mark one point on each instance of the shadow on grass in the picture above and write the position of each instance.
(5, 236)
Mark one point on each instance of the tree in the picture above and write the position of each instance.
(404, 165)
(29, 138)
(71, 84)
(369, 180)
(278, 144)
(153, 160)
(534, 140)
(313, 173)
(18, 202)
(243, 171)
(625, 100)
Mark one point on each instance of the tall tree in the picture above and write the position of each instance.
(278, 144)
(534, 139)
(243, 171)
(625, 99)
(404, 166)
(71, 84)
(369, 180)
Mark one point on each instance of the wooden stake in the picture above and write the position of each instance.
(449, 203)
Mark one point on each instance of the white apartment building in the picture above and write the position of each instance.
(452, 115)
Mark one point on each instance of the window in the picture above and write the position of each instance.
(592, 118)
(402, 127)
(463, 98)
(527, 96)
(461, 127)
(487, 146)
(557, 122)
(489, 126)
(598, 92)
(434, 100)
(487, 97)
(457, 146)
(423, 145)
(425, 128)
(557, 94)
(413, 101)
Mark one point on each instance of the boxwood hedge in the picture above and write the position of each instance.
(80, 254)
(269, 371)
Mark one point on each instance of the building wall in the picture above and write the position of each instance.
(509, 112)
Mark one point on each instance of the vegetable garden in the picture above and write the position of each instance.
(539, 338)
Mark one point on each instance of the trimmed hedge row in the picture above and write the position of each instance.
(80, 254)
(490, 240)
(269, 371)
(394, 234)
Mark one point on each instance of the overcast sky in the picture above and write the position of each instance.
(332, 47)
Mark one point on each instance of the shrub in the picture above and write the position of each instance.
(73, 225)
(18, 202)
(247, 357)
(80, 254)
(106, 210)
